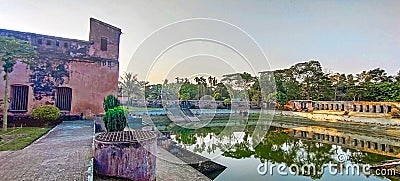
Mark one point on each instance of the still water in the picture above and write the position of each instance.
(240, 153)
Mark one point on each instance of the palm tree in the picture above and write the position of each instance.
(130, 86)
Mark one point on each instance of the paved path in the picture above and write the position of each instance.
(64, 153)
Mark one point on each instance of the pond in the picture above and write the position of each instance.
(239, 152)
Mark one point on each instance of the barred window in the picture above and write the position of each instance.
(19, 98)
(63, 98)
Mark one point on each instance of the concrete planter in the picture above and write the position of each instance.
(127, 154)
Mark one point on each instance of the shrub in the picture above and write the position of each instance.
(46, 113)
(227, 101)
(115, 119)
(217, 96)
(110, 102)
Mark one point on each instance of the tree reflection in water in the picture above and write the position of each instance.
(276, 147)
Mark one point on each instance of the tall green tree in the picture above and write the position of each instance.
(397, 77)
(188, 91)
(338, 82)
(220, 88)
(287, 87)
(309, 74)
(11, 51)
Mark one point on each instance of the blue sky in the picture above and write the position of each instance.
(345, 36)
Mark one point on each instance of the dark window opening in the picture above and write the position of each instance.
(389, 109)
(354, 108)
(374, 108)
(39, 41)
(48, 42)
(57, 43)
(65, 45)
(19, 98)
(361, 108)
(367, 109)
(64, 97)
(103, 44)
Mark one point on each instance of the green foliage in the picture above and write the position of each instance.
(110, 102)
(227, 101)
(281, 98)
(153, 91)
(12, 49)
(186, 137)
(308, 81)
(255, 91)
(46, 113)
(217, 96)
(188, 91)
(115, 119)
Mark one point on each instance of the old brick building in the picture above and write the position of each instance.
(74, 75)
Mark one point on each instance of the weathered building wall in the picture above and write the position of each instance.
(94, 81)
(90, 71)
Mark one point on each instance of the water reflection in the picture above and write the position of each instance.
(298, 146)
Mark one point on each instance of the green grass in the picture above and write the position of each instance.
(19, 138)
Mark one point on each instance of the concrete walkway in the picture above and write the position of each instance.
(64, 153)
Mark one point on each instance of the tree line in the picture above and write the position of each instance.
(308, 81)
(302, 81)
